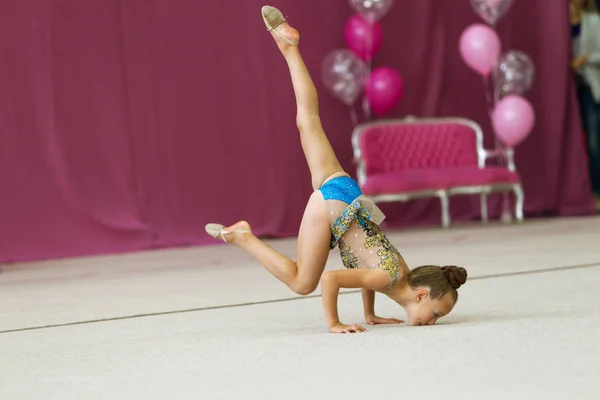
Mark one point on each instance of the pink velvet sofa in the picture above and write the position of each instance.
(401, 160)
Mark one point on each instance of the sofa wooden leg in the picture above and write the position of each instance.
(445, 208)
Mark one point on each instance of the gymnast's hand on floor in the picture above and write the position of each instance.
(375, 320)
(341, 328)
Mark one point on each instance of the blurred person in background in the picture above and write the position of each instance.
(585, 33)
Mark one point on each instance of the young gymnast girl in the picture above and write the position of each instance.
(337, 214)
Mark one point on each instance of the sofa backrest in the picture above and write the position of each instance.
(387, 146)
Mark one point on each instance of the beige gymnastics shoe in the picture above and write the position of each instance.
(276, 23)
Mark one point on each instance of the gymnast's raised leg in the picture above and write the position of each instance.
(302, 276)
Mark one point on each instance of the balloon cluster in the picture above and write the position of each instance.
(512, 73)
(347, 72)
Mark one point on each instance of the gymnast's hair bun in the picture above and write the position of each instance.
(457, 276)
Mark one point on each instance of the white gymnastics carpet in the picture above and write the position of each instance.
(210, 323)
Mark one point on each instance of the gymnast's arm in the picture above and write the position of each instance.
(368, 296)
(333, 281)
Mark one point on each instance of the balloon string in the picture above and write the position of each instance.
(353, 116)
(366, 105)
(488, 96)
(491, 101)
(368, 66)
(491, 104)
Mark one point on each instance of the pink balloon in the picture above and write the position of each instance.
(384, 89)
(480, 48)
(363, 38)
(513, 119)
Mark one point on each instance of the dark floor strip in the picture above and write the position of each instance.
(541, 271)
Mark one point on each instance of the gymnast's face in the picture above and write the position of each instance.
(427, 311)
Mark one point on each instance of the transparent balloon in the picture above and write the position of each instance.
(372, 10)
(491, 10)
(343, 74)
(514, 74)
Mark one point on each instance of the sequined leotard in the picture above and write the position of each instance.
(355, 228)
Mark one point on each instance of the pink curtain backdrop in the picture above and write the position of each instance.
(130, 124)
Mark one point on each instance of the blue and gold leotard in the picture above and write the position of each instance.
(355, 228)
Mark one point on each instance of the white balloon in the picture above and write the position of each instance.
(372, 10)
(513, 74)
(343, 74)
(491, 10)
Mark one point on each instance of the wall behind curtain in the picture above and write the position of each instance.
(129, 124)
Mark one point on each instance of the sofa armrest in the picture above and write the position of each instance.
(505, 154)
